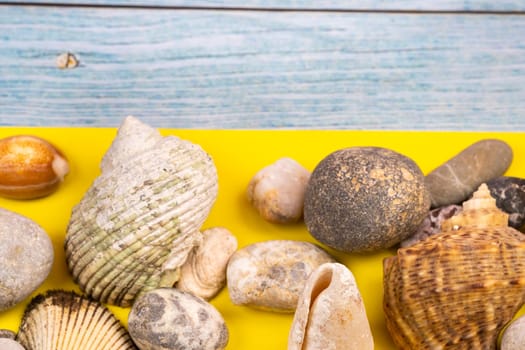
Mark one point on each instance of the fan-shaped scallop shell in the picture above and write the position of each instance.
(457, 289)
(141, 217)
(60, 320)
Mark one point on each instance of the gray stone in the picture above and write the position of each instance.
(364, 199)
(167, 319)
(10, 344)
(455, 180)
(509, 193)
(513, 337)
(26, 257)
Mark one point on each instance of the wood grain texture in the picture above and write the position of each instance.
(229, 69)
(375, 5)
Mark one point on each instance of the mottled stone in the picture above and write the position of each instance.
(364, 199)
(169, 319)
(509, 193)
(26, 257)
(455, 180)
(431, 224)
(271, 275)
(513, 337)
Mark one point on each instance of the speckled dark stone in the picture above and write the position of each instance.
(455, 180)
(509, 193)
(167, 318)
(364, 199)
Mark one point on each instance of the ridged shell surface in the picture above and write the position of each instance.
(141, 217)
(457, 289)
(60, 320)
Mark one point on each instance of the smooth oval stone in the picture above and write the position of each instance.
(26, 257)
(513, 337)
(364, 199)
(168, 319)
(509, 193)
(271, 275)
(455, 180)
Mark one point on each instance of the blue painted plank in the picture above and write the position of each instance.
(374, 5)
(213, 69)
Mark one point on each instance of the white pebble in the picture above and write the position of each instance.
(10, 344)
(514, 336)
(277, 191)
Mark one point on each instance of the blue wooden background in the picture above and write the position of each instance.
(384, 65)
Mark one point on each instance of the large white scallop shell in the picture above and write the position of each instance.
(141, 217)
(330, 314)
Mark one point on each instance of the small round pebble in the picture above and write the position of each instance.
(10, 344)
(509, 193)
(277, 191)
(364, 199)
(170, 319)
(514, 335)
(26, 257)
(455, 180)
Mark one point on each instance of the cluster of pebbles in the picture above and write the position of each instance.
(136, 240)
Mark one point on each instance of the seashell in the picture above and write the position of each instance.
(67, 321)
(277, 191)
(204, 273)
(330, 314)
(271, 275)
(66, 60)
(137, 223)
(167, 319)
(479, 211)
(30, 167)
(431, 225)
(458, 289)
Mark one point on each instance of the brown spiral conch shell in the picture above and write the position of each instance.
(139, 220)
(457, 289)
